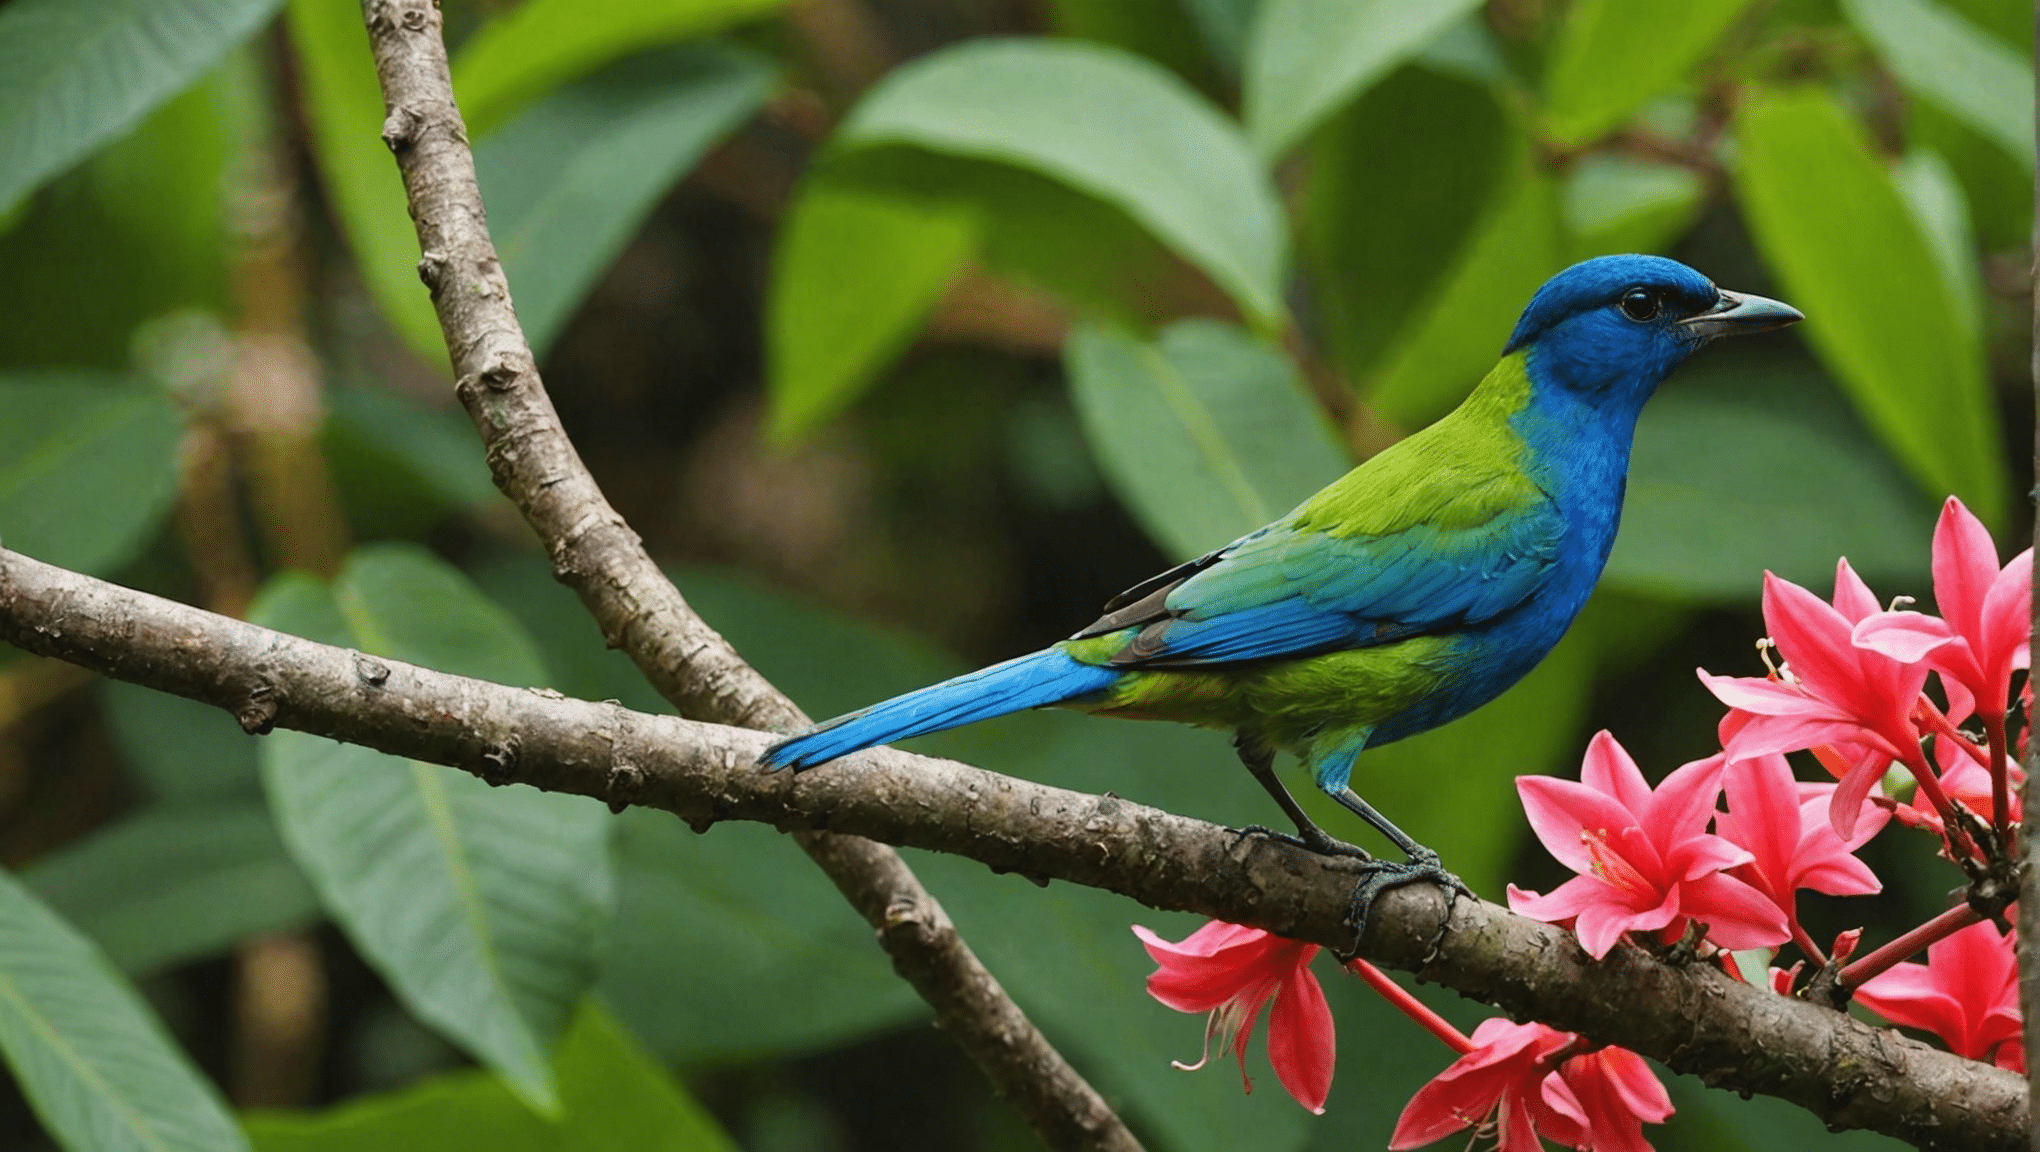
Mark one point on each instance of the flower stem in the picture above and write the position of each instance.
(1930, 787)
(2000, 777)
(1939, 928)
(1412, 1007)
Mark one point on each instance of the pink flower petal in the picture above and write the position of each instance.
(1559, 810)
(1907, 637)
(1300, 1043)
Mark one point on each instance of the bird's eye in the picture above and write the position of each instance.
(1640, 304)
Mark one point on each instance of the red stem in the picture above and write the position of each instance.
(1412, 1007)
(1939, 928)
(1930, 787)
(2000, 776)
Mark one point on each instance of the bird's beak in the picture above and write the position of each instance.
(1739, 314)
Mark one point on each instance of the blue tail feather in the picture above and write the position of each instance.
(1049, 676)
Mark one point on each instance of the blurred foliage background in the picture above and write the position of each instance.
(908, 332)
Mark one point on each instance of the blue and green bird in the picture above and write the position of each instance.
(1412, 590)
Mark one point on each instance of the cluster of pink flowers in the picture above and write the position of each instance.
(1850, 691)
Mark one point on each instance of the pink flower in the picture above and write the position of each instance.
(1967, 993)
(1984, 631)
(1618, 1092)
(1645, 862)
(1231, 972)
(1837, 693)
(1505, 1084)
(1784, 827)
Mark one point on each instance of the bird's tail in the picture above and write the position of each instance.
(1049, 676)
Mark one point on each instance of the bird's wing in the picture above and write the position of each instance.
(1424, 544)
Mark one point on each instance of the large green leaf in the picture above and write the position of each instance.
(479, 905)
(571, 178)
(612, 1096)
(543, 43)
(87, 467)
(1115, 126)
(76, 73)
(733, 945)
(1427, 151)
(854, 277)
(1930, 189)
(1206, 434)
(1943, 58)
(1459, 332)
(1619, 204)
(93, 1062)
(1878, 308)
(182, 750)
(147, 212)
(1034, 232)
(400, 465)
(1742, 466)
(1306, 58)
(344, 112)
(176, 882)
(1612, 55)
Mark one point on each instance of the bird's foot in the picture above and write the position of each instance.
(1379, 876)
(1321, 843)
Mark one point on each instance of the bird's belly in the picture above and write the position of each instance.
(1289, 701)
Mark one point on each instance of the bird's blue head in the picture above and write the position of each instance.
(1607, 331)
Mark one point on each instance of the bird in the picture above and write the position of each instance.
(1412, 590)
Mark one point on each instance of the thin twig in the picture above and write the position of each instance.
(594, 552)
(1692, 1017)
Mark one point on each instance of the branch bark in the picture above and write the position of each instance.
(594, 552)
(1694, 1019)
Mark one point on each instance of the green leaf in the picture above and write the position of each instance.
(1034, 232)
(733, 945)
(1612, 55)
(181, 749)
(344, 112)
(87, 467)
(1458, 334)
(572, 177)
(1225, 26)
(541, 44)
(479, 905)
(1206, 434)
(612, 1096)
(1879, 310)
(1155, 29)
(1618, 204)
(1163, 155)
(75, 74)
(854, 277)
(1745, 466)
(1936, 201)
(177, 882)
(1428, 151)
(399, 465)
(1307, 58)
(1941, 57)
(93, 1062)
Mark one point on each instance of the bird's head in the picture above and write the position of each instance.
(1610, 329)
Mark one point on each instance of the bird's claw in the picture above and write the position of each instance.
(1378, 876)
(1322, 844)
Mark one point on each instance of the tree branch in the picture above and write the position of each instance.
(594, 552)
(1693, 1018)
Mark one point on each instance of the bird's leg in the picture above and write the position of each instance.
(1260, 760)
(1422, 863)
